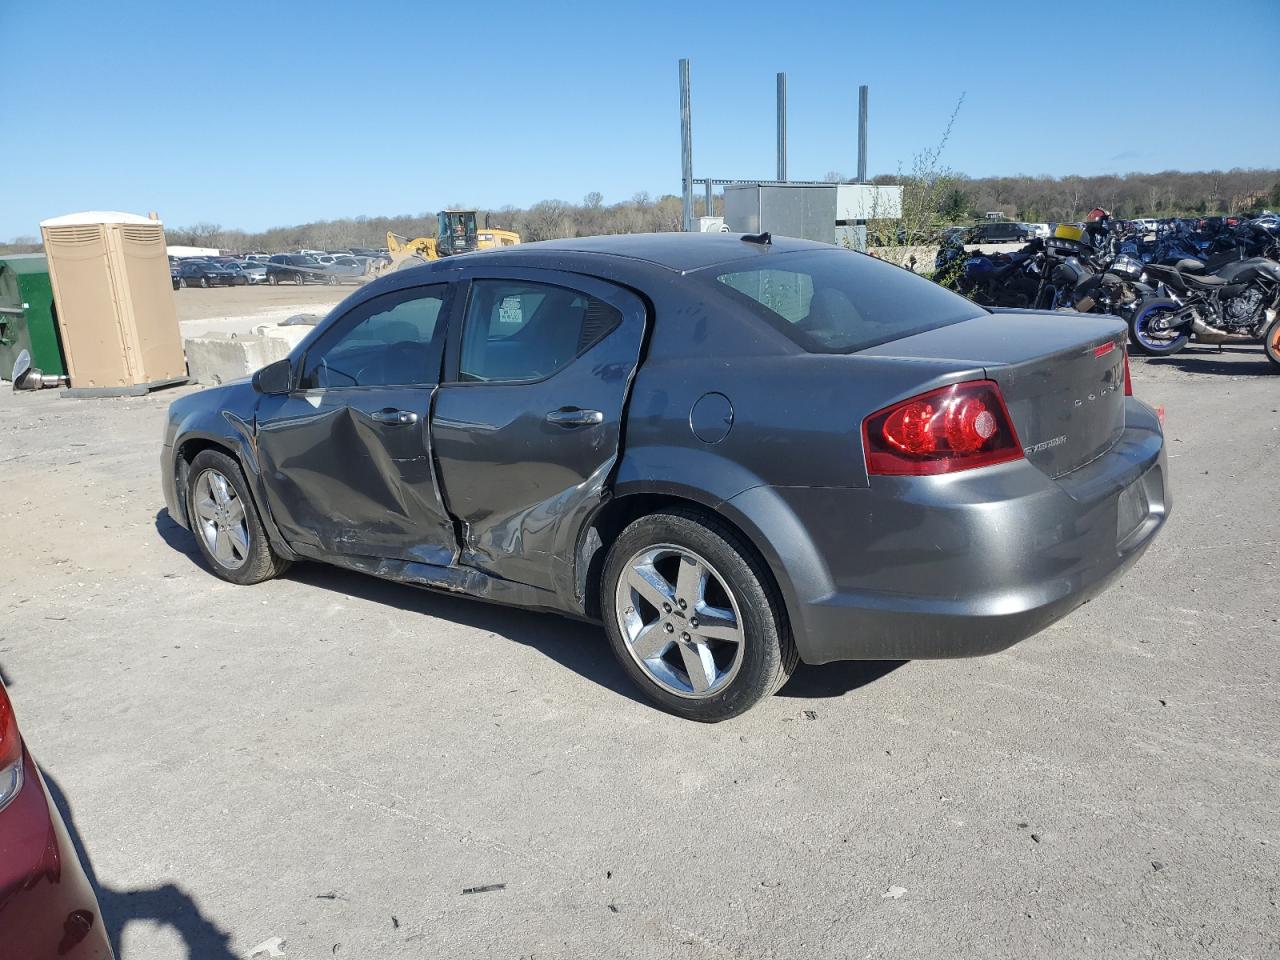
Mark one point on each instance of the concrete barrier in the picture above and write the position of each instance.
(220, 358)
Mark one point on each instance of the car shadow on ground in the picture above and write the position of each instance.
(1209, 360)
(166, 904)
(836, 679)
(177, 537)
(577, 646)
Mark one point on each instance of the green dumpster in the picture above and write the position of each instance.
(27, 315)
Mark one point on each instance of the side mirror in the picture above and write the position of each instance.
(275, 378)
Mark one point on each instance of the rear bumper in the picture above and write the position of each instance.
(47, 907)
(969, 564)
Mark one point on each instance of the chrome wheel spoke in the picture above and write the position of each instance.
(239, 538)
(651, 585)
(222, 548)
(218, 484)
(717, 623)
(235, 511)
(699, 665)
(652, 641)
(691, 581)
(206, 510)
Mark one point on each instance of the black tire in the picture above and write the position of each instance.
(260, 562)
(1271, 343)
(769, 654)
(273, 279)
(1141, 339)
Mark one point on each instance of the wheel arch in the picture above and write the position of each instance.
(195, 442)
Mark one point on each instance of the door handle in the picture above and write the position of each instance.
(573, 417)
(394, 417)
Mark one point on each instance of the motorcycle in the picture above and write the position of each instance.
(1238, 304)
(1075, 276)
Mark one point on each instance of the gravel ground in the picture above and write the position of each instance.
(334, 761)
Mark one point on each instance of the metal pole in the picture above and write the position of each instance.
(686, 146)
(782, 127)
(710, 209)
(862, 133)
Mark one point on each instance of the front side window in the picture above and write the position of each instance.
(836, 301)
(392, 340)
(517, 330)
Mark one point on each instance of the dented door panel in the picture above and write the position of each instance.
(521, 485)
(342, 481)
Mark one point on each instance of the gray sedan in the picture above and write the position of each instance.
(735, 452)
(252, 271)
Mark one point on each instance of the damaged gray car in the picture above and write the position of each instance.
(735, 452)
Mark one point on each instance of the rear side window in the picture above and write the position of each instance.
(516, 330)
(837, 301)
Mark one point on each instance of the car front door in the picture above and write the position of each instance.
(346, 456)
(527, 425)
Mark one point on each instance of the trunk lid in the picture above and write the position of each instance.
(1061, 375)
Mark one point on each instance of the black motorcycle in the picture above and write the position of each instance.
(1238, 304)
(1076, 276)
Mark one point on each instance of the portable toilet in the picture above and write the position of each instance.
(115, 308)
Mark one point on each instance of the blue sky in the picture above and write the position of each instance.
(257, 114)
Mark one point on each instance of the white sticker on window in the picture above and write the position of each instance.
(509, 310)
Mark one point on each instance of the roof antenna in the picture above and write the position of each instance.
(765, 239)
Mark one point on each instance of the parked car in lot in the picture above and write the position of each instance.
(205, 273)
(47, 906)
(294, 268)
(734, 453)
(997, 232)
(250, 271)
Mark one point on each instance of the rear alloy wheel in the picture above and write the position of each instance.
(1145, 332)
(1271, 343)
(693, 618)
(299, 279)
(182, 282)
(273, 279)
(226, 523)
(204, 281)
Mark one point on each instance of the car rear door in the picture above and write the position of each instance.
(527, 425)
(346, 456)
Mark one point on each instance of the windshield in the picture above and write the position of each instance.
(837, 301)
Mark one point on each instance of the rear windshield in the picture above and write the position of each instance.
(837, 301)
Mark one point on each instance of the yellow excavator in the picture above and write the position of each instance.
(457, 233)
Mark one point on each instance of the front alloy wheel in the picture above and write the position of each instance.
(220, 519)
(225, 521)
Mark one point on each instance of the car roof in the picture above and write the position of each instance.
(681, 252)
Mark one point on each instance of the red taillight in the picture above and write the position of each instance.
(1128, 381)
(954, 428)
(10, 741)
(10, 752)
